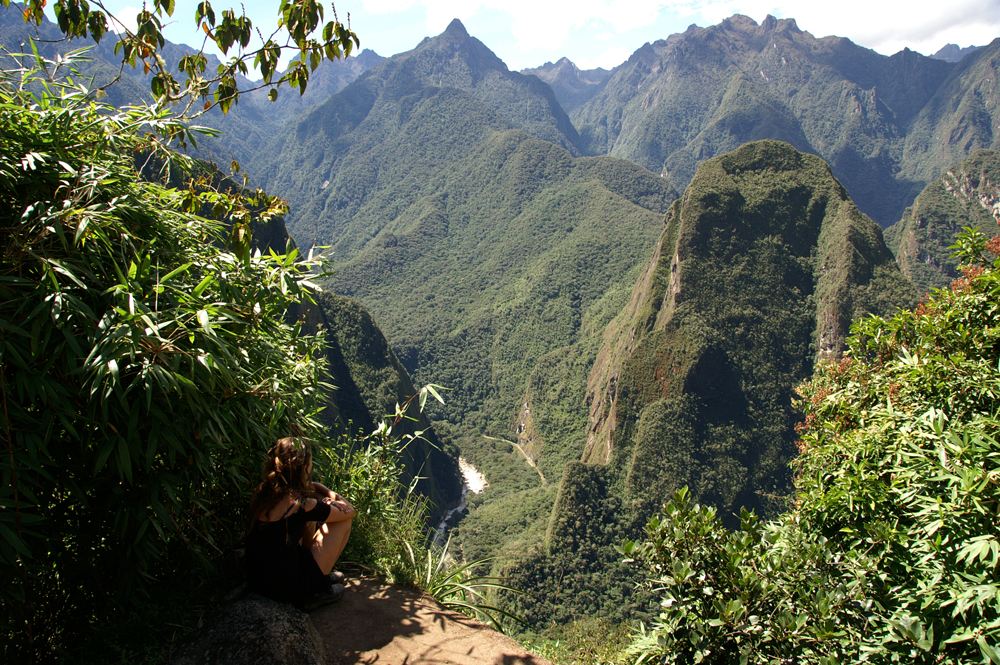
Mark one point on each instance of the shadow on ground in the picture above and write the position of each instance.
(377, 624)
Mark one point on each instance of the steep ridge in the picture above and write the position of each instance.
(968, 194)
(680, 101)
(332, 162)
(761, 267)
(959, 119)
(367, 382)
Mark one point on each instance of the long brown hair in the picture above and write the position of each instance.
(286, 471)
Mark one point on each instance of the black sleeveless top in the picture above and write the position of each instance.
(277, 565)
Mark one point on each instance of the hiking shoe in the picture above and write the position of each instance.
(324, 598)
(336, 577)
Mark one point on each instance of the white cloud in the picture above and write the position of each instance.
(606, 32)
(124, 19)
(606, 59)
(884, 25)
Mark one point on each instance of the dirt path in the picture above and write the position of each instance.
(387, 625)
(526, 456)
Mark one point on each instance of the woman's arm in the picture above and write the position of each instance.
(340, 509)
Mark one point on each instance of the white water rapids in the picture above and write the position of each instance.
(472, 481)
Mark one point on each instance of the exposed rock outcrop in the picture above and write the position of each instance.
(253, 629)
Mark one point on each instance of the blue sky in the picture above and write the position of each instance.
(603, 33)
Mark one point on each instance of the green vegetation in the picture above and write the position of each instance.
(964, 196)
(760, 269)
(491, 259)
(389, 535)
(890, 551)
(369, 384)
(587, 641)
(146, 366)
(768, 265)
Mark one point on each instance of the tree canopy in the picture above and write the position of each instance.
(232, 32)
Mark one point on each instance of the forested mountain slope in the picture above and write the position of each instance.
(517, 250)
(329, 78)
(968, 194)
(334, 163)
(760, 270)
(762, 266)
(367, 382)
(959, 119)
(886, 125)
(479, 248)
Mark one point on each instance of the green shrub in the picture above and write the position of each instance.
(145, 364)
(890, 553)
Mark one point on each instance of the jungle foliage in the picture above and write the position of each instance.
(147, 363)
(145, 367)
(890, 551)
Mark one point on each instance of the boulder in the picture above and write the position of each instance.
(250, 628)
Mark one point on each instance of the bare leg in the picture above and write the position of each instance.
(328, 542)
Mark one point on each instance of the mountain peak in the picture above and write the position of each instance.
(456, 29)
(739, 22)
(954, 53)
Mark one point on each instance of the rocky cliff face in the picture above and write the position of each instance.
(572, 86)
(954, 53)
(968, 194)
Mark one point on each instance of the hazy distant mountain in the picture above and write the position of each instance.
(247, 127)
(952, 53)
(679, 101)
(573, 86)
(957, 120)
(968, 194)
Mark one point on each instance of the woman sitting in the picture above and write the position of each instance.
(285, 560)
